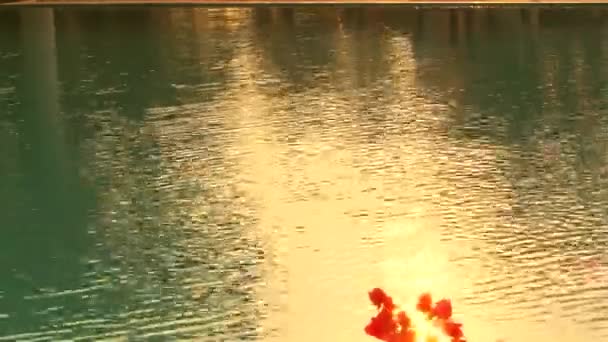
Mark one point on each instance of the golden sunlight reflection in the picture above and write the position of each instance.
(342, 206)
(426, 331)
(349, 239)
(363, 229)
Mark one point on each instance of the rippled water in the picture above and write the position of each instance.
(248, 174)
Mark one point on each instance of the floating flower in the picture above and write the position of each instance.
(433, 324)
(442, 309)
(425, 303)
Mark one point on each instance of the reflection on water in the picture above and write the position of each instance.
(248, 174)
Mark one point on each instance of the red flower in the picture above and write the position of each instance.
(377, 296)
(425, 303)
(403, 320)
(382, 326)
(443, 309)
(454, 330)
(397, 328)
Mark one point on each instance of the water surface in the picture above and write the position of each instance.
(248, 174)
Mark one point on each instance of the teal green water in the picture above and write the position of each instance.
(248, 174)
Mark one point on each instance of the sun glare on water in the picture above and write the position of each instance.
(427, 330)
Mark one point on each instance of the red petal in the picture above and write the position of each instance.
(403, 320)
(388, 304)
(425, 303)
(443, 309)
(453, 329)
(377, 296)
(373, 328)
(382, 326)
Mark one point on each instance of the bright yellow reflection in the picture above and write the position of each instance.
(427, 331)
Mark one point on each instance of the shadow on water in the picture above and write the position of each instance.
(287, 41)
(44, 228)
(116, 55)
(103, 230)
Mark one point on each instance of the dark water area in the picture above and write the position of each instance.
(248, 174)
